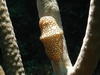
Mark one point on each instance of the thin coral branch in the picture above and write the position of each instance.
(1, 71)
(50, 8)
(90, 51)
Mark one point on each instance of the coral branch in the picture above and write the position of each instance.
(50, 8)
(8, 44)
(90, 51)
(1, 71)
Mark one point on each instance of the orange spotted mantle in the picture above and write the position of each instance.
(51, 36)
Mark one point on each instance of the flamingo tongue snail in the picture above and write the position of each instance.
(51, 36)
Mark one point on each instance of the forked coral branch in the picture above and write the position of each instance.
(52, 36)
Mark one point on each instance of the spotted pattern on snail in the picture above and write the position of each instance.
(51, 36)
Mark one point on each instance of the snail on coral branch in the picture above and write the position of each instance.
(51, 36)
